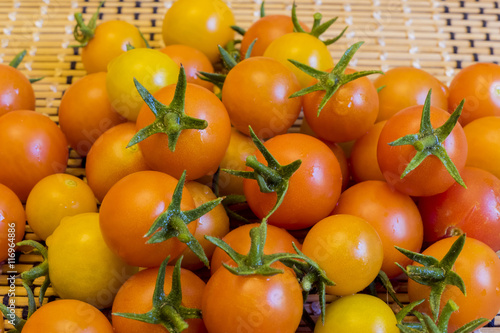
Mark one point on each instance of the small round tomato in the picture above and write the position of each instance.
(317, 183)
(394, 216)
(33, 147)
(254, 303)
(479, 267)
(256, 93)
(303, 48)
(358, 313)
(199, 152)
(136, 296)
(479, 84)
(483, 140)
(348, 249)
(472, 211)
(193, 60)
(348, 114)
(278, 241)
(152, 68)
(16, 92)
(55, 197)
(109, 159)
(63, 316)
(364, 164)
(110, 40)
(81, 265)
(429, 177)
(130, 208)
(12, 222)
(202, 24)
(408, 86)
(85, 112)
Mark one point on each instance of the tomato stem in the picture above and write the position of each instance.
(16, 321)
(84, 33)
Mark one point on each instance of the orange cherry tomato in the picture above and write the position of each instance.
(12, 223)
(364, 163)
(16, 92)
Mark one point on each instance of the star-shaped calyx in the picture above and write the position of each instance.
(170, 119)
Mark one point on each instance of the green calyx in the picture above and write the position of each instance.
(16, 321)
(272, 177)
(429, 141)
(167, 309)
(170, 119)
(83, 33)
(242, 31)
(17, 60)
(173, 222)
(308, 273)
(331, 82)
(318, 28)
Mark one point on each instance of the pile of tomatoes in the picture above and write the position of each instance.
(189, 160)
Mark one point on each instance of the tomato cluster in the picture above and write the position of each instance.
(200, 168)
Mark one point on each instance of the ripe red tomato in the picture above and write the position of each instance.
(33, 147)
(12, 222)
(479, 267)
(16, 92)
(431, 176)
(317, 183)
(479, 84)
(393, 214)
(85, 112)
(256, 93)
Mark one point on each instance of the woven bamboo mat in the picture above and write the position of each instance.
(438, 36)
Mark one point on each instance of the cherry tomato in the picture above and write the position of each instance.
(278, 241)
(317, 183)
(358, 313)
(62, 316)
(128, 211)
(152, 68)
(55, 197)
(33, 147)
(431, 176)
(349, 113)
(348, 249)
(136, 295)
(394, 216)
(483, 140)
(479, 84)
(193, 60)
(109, 159)
(85, 112)
(254, 303)
(364, 164)
(256, 93)
(199, 152)
(479, 267)
(202, 24)
(110, 40)
(458, 210)
(303, 48)
(16, 92)
(408, 86)
(12, 222)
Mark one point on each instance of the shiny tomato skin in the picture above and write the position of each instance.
(33, 147)
(408, 86)
(317, 183)
(430, 177)
(16, 92)
(12, 222)
(254, 303)
(136, 295)
(364, 164)
(199, 152)
(479, 267)
(472, 211)
(479, 84)
(349, 113)
(130, 208)
(85, 112)
(256, 93)
(394, 216)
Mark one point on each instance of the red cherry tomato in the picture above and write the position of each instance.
(16, 92)
(12, 223)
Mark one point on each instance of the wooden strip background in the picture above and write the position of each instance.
(436, 35)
